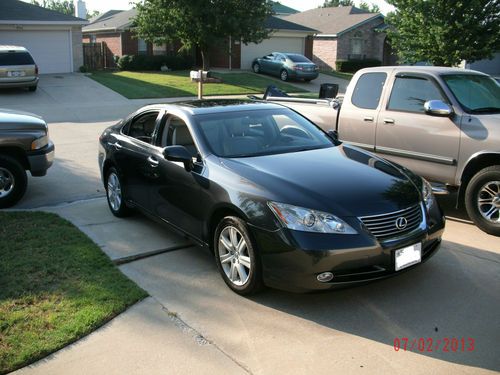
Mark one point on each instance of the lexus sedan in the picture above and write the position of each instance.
(286, 66)
(277, 201)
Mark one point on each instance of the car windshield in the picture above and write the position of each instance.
(16, 58)
(298, 58)
(476, 93)
(256, 133)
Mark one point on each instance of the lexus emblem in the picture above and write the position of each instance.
(401, 223)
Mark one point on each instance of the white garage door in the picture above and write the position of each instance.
(274, 44)
(50, 49)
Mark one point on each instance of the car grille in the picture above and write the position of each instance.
(385, 226)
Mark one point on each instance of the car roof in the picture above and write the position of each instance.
(208, 106)
(4, 48)
(433, 70)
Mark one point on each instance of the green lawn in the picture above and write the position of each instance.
(141, 85)
(341, 75)
(56, 286)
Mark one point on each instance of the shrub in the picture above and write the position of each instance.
(146, 62)
(352, 66)
(83, 69)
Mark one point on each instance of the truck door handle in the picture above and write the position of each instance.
(388, 121)
(368, 119)
(153, 161)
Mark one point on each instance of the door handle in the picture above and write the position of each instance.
(116, 145)
(368, 119)
(153, 161)
(388, 121)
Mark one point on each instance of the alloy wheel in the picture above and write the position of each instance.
(234, 257)
(488, 201)
(114, 191)
(7, 182)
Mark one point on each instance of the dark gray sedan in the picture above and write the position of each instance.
(286, 66)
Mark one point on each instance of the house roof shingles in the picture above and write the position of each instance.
(333, 20)
(279, 8)
(277, 23)
(15, 10)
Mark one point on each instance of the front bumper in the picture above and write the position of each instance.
(41, 160)
(292, 260)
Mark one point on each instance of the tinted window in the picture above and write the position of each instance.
(410, 94)
(254, 133)
(299, 58)
(476, 93)
(16, 58)
(142, 127)
(368, 90)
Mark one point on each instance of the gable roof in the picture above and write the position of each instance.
(280, 9)
(104, 15)
(123, 20)
(15, 11)
(333, 21)
(117, 21)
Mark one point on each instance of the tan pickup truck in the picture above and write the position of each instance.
(442, 123)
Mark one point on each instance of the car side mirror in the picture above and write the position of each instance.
(334, 135)
(180, 154)
(437, 108)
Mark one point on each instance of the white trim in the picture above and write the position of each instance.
(325, 35)
(101, 30)
(19, 22)
(71, 50)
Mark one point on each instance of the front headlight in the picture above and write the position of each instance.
(306, 220)
(40, 142)
(427, 194)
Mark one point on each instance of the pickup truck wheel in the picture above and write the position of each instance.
(236, 256)
(256, 68)
(32, 88)
(482, 200)
(114, 194)
(13, 181)
(284, 75)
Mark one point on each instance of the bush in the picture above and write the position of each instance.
(83, 69)
(352, 66)
(146, 62)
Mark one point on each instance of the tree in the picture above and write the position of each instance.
(373, 8)
(200, 23)
(337, 3)
(92, 14)
(444, 32)
(64, 6)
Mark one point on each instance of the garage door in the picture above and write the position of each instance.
(50, 49)
(274, 44)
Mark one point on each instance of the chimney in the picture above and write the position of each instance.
(80, 9)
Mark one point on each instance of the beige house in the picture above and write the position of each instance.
(345, 33)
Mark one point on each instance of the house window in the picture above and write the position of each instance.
(357, 46)
(142, 47)
(93, 38)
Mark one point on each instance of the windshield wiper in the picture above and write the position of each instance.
(485, 109)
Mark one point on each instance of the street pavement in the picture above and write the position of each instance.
(193, 323)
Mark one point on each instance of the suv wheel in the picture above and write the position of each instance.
(114, 194)
(32, 88)
(13, 181)
(236, 256)
(482, 199)
(284, 75)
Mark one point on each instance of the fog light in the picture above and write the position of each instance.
(325, 277)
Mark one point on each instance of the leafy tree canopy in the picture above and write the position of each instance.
(337, 3)
(199, 23)
(374, 8)
(444, 32)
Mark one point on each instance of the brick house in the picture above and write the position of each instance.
(346, 33)
(115, 29)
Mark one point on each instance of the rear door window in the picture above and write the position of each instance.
(368, 90)
(143, 126)
(409, 94)
(15, 58)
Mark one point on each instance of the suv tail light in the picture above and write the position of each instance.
(36, 69)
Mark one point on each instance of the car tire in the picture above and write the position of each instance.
(239, 266)
(256, 68)
(307, 80)
(482, 199)
(13, 181)
(284, 75)
(114, 194)
(32, 88)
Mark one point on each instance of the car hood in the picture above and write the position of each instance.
(343, 180)
(19, 120)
